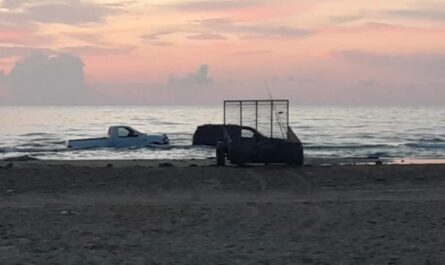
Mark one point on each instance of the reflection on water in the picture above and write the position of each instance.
(326, 131)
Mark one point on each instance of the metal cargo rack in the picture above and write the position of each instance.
(269, 117)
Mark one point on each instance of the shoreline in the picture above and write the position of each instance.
(27, 161)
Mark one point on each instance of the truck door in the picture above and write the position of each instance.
(126, 137)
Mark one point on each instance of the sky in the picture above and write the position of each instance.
(323, 52)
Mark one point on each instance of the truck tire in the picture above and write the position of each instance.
(297, 159)
(220, 154)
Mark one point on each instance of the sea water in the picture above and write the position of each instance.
(386, 132)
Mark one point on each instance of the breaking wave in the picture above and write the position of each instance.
(346, 146)
(426, 145)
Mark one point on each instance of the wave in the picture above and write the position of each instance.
(37, 149)
(347, 146)
(432, 140)
(426, 145)
(9, 149)
(37, 135)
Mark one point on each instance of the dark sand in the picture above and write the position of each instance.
(138, 213)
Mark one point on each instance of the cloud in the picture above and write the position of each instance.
(26, 51)
(382, 26)
(214, 5)
(367, 83)
(93, 38)
(12, 4)
(218, 28)
(416, 60)
(273, 32)
(13, 34)
(413, 67)
(15, 29)
(21, 51)
(98, 50)
(213, 22)
(192, 88)
(420, 11)
(428, 14)
(253, 52)
(72, 12)
(200, 77)
(155, 38)
(346, 18)
(206, 36)
(222, 25)
(158, 34)
(42, 79)
(162, 43)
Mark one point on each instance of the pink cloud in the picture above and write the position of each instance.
(12, 33)
(270, 11)
(22, 35)
(6, 36)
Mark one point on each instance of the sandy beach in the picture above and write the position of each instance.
(190, 212)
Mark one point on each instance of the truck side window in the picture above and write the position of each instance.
(123, 132)
(245, 133)
(132, 133)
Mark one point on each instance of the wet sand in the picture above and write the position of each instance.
(190, 212)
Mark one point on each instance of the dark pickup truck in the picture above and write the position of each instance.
(242, 144)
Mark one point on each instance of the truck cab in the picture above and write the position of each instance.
(120, 137)
(125, 136)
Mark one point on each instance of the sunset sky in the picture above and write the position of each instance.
(186, 52)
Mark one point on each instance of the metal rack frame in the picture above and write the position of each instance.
(257, 104)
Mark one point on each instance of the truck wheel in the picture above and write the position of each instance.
(300, 160)
(220, 154)
(297, 160)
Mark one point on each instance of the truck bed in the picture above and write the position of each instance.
(88, 143)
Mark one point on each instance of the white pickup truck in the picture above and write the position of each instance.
(120, 137)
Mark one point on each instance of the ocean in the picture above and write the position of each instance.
(329, 132)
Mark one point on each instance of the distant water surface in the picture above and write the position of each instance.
(41, 131)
